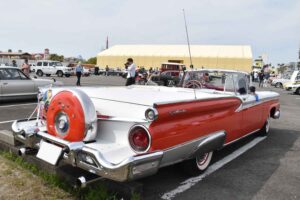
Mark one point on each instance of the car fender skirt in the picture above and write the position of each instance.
(212, 142)
(190, 149)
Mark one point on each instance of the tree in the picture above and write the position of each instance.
(56, 57)
(92, 60)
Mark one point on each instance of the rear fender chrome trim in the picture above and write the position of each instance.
(248, 134)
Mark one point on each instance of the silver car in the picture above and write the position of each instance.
(14, 84)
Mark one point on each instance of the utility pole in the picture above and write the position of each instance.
(187, 37)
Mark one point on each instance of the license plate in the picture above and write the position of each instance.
(49, 152)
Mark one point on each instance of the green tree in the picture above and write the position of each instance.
(56, 57)
(92, 60)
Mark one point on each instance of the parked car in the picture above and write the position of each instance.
(293, 83)
(127, 133)
(14, 84)
(32, 67)
(167, 66)
(295, 87)
(279, 82)
(86, 71)
(165, 78)
(49, 67)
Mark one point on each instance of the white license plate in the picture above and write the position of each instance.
(49, 152)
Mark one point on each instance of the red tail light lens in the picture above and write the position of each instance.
(139, 139)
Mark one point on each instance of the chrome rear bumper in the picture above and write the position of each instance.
(79, 155)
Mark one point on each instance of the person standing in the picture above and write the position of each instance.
(79, 71)
(106, 70)
(130, 72)
(255, 75)
(261, 79)
(14, 63)
(25, 67)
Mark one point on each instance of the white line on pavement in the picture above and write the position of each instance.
(6, 122)
(24, 104)
(187, 184)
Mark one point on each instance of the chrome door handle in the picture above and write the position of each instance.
(5, 83)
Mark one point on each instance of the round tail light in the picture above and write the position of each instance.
(139, 139)
(71, 116)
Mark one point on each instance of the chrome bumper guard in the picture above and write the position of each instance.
(29, 138)
(78, 155)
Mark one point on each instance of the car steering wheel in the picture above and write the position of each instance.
(193, 84)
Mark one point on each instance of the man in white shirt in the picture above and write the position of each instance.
(130, 72)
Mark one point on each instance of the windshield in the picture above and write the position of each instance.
(217, 80)
(57, 64)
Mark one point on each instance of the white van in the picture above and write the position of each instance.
(49, 67)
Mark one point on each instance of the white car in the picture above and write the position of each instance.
(49, 67)
(279, 82)
(295, 87)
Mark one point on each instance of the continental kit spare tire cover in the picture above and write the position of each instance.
(72, 116)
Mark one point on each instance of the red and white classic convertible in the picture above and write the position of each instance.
(126, 133)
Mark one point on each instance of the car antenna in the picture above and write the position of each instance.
(187, 38)
(188, 43)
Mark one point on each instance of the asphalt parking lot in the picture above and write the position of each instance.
(255, 168)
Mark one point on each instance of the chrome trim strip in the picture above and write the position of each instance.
(120, 119)
(119, 101)
(244, 136)
(194, 100)
(253, 103)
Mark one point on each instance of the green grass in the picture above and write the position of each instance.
(98, 192)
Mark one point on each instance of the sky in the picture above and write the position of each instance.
(78, 27)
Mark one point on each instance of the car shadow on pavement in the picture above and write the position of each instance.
(241, 178)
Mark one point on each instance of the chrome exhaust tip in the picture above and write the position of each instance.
(22, 151)
(81, 182)
(277, 114)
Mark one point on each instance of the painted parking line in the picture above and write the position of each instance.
(187, 184)
(7, 122)
(15, 105)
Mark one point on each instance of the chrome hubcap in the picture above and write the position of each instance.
(62, 124)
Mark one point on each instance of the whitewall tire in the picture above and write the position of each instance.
(264, 131)
(197, 165)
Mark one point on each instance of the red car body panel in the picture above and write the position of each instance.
(179, 123)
